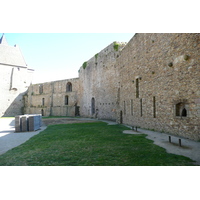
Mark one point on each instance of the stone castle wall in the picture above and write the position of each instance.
(57, 98)
(151, 82)
(160, 82)
(98, 84)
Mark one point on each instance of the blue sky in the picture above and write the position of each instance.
(57, 56)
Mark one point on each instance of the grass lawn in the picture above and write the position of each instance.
(90, 144)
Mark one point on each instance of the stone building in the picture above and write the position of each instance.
(15, 78)
(151, 82)
(57, 98)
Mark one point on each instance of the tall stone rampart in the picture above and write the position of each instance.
(98, 80)
(160, 83)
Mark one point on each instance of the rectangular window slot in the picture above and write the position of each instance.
(154, 107)
(137, 88)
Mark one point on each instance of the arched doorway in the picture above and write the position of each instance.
(184, 113)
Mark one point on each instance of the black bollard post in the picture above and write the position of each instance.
(180, 142)
(170, 139)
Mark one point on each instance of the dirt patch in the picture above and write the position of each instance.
(52, 121)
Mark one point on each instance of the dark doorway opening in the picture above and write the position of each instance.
(93, 106)
(121, 117)
(184, 113)
(42, 112)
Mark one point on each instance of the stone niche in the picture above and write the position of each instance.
(181, 108)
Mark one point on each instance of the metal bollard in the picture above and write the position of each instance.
(180, 142)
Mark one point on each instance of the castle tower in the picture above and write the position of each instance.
(15, 77)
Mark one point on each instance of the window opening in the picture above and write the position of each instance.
(69, 87)
(178, 108)
(66, 100)
(137, 88)
(154, 107)
(141, 108)
(181, 110)
(43, 101)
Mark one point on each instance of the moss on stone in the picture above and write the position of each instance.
(96, 56)
(116, 46)
(84, 65)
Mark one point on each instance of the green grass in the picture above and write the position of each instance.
(89, 144)
(6, 117)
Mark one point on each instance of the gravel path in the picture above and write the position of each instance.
(9, 139)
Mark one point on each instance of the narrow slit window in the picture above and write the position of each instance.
(154, 107)
(137, 88)
(141, 108)
(43, 101)
(124, 107)
(66, 100)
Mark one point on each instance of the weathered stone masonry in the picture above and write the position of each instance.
(99, 84)
(58, 98)
(160, 83)
(152, 82)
